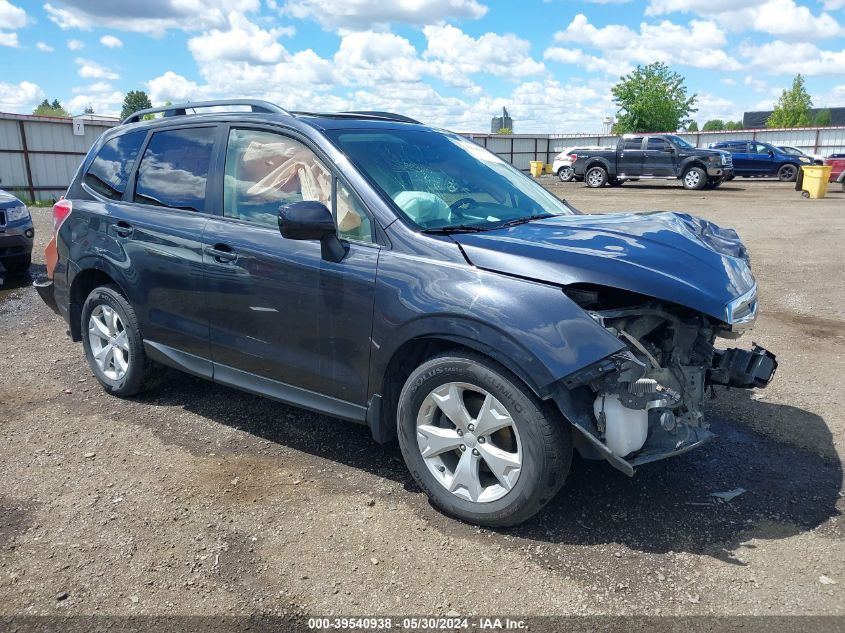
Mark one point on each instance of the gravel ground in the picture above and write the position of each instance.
(198, 499)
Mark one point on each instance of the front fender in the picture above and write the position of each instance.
(532, 328)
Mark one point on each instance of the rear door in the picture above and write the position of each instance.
(659, 158)
(151, 234)
(631, 156)
(278, 311)
(743, 164)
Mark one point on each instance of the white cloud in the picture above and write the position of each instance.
(103, 102)
(832, 98)
(89, 69)
(110, 41)
(75, 45)
(9, 39)
(365, 14)
(175, 88)
(461, 55)
(12, 17)
(367, 58)
(152, 16)
(22, 97)
(790, 58)
(44, 47)
(592, 63)
(243, 41)
(698, 45)
(782, 18)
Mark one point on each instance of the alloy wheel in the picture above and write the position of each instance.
(594, 178)
(692, 178)
(565, 174)
(469, 442)
(109, 342)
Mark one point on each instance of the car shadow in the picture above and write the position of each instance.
(12, 281)
(666, 507)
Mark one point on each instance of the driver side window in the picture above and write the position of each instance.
(265, 170)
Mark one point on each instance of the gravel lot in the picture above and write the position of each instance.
(197, 499)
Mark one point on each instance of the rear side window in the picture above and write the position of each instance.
(633, 143)
(110, 169)
(174, 169)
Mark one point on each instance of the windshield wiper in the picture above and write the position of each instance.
(458, 228)
(525, 219)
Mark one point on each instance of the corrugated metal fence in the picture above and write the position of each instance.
(520, 149)
(39, 155)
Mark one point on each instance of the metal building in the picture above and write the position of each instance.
(39, 155)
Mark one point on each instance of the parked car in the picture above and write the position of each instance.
(837, 171)
(817, 159)
(754, 158)
(326, 260)
(562, 165)
(645, 156)
(16, 234)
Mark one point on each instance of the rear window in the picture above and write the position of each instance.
(110, 169)
(174, 169)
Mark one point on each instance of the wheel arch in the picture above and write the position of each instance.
(83, 282)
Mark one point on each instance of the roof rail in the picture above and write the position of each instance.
(180, 109)
(383, 115)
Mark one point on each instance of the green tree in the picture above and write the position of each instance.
(653, 98)
(793, 107)
(45, 108)
(823, 118)
(714, 125)
(505, 130)
(133, 101)
(89, 109)
(733, 125)
(692, 127)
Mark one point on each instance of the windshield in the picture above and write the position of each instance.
(677, 140)
(440, 181)
(791, 150)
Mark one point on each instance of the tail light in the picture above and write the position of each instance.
(61, 210)
(573, 157)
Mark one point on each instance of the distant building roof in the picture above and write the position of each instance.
(756, 120)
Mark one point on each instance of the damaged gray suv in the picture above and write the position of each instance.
(375, 269)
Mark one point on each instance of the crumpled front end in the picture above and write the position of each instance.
(646, 402)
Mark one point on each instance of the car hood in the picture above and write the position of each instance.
(675, 257)
(6, 197)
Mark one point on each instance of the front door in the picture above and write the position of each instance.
(659, 158)
(277, 310)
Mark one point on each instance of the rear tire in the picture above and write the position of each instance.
(596, 177)
(515, 464)
(788, 173)
(17, 264)
(694, 178)
(566, 174)
(113, 344)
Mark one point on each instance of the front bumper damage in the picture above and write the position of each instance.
(645, 403)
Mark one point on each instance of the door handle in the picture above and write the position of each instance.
(123, 229)
(221, 253)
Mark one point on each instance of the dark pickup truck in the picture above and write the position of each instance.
(643, 156)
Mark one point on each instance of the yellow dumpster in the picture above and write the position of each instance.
(536, 168)
(548, 168)
(814, 180)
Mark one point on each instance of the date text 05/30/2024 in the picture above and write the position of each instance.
(423, 623)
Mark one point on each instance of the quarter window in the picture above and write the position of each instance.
(110, 169)
(265, 170)
(174, 170)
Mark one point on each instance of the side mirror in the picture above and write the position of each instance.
(771, 153)
(312, 220)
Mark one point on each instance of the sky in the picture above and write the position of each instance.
(452, 63)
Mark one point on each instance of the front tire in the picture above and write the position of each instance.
(596, 177)
(788, 173)
(478, 442)
(694, 178)
(113, 344)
